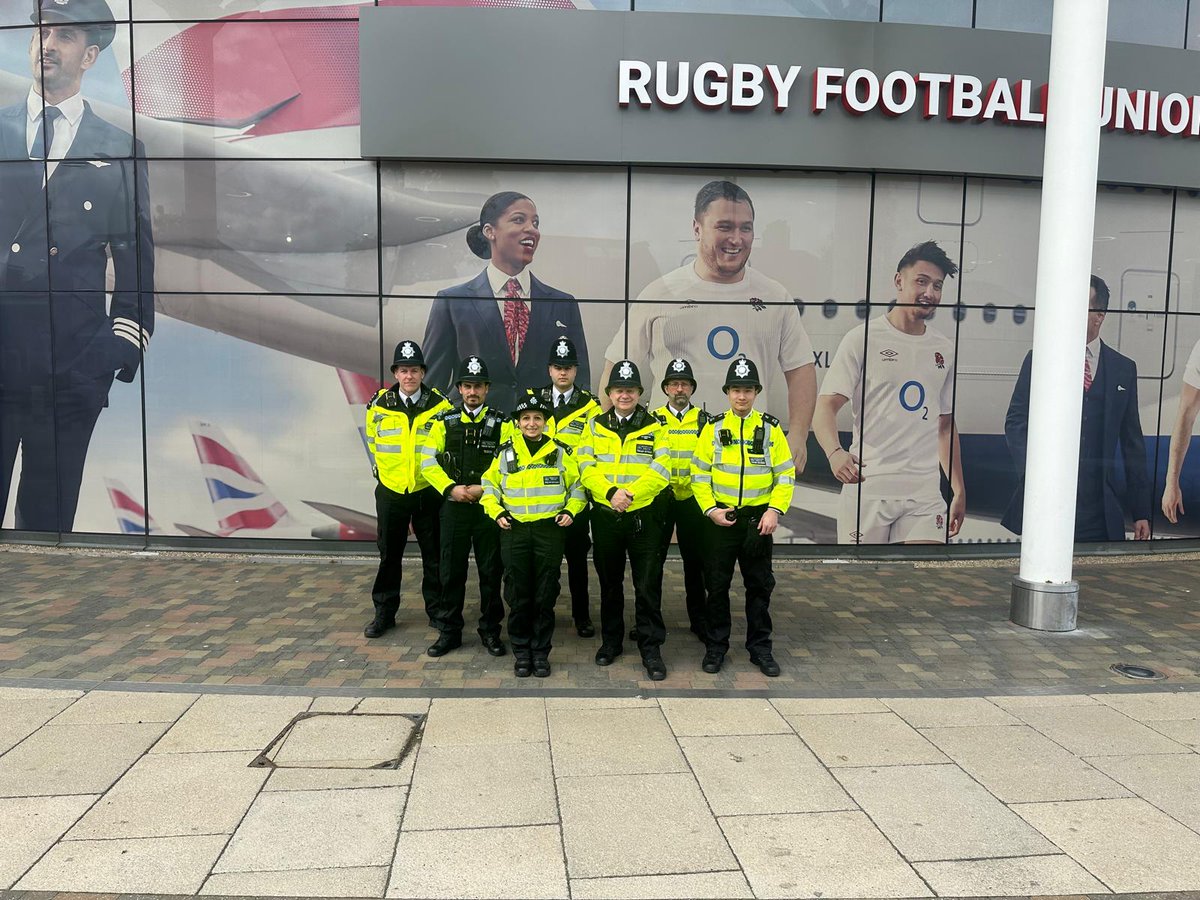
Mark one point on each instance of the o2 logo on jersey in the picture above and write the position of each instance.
(912, 398)
(718, 337)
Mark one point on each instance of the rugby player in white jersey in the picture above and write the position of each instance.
(907, 409)
(1181, 437)
(718, 307)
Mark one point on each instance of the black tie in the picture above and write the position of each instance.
(44, 139)
(561, 401)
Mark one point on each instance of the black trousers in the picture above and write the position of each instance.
(578, 544)
(532, 553)
(634, 535)
(742, 544)
(686, 519)
(466, 525)
(395, 512)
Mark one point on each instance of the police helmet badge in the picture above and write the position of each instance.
(562, 350)
(742, 369)
(473, 365)
(678, 365)
(626, 370)
(407, 350)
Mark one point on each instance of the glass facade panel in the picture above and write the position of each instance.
(920, 12)
(852, 10)
(1176, 499)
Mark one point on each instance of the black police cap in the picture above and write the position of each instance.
(562, 353)
(742, 373)
(531, 403)
(408, 353)
(92, 14)
(679, 370)
(624, 374)
(473, 370)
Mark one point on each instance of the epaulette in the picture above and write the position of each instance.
(561, 444)
(770, 419)
(584, 392)
(662, 420)
(507, 445)
(434, 392)
(703, 417)
(448, 413)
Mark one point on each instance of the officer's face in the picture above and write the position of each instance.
(919, 289)
(473, 393)
(624, 399)
(724, 233)
(563, 376)
(1095, 317)
(741, 399)
(514, 237)
(408, 377)
(531, 424)
(59, 55)
(679, 392)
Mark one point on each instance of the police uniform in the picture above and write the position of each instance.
(678, 511)
(632, 455)
(62, 340)
(568, 418)
(396, 427)
(742, 464)
(457, 451)
(530, 485)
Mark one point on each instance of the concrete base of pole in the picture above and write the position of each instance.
(1044, 606)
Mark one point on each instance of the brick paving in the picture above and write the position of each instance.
(869, 629)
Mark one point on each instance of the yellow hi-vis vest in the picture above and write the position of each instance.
(532, 486)
(641, 464)
(567, 424)
(394, 439)
(743, 462)
(681, 440)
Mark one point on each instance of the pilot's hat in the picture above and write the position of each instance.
(94, 15)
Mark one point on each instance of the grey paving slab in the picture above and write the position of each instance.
(125, 707)
(1182, 731)
(816, 706)
(345, 882)
(939, 813)
(31, 826)
(337, 779)
(1041, 701)
(359, 741)
(334, 704)
(228, 722)
(291, 830)
(16, 693)
(864, 739)
(1098, 731)
(393, 705)
(73, 759)
(704, 716)
(935, 712)
(173, 794)
(174, 865)
(485, 721)
(834, 854)
(769, 773)
(20, 718)
(1020, 876)
(478, 786)
(599, 702)
(483, 863)
(639, 825)
(1154, 707)
(1127, 844)
(701, 886)
(613, 742)
(1171, 782)
(1021, 765)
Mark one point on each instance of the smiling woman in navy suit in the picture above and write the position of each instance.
(504, 304)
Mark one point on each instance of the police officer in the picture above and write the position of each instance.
(677, 507)
(461, 444)
(398, 420)
(532, 490)
(743, 477)
(570, 409)
(624, 462)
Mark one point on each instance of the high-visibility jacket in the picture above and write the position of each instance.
(567, 422)
(743, 462)
(393, 436)
(532, 486)
(459, 448)
(640, 463)
(681, 440)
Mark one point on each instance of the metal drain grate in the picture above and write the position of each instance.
(1140, 673)
(343, 740)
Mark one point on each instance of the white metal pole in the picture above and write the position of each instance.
(1044, 590)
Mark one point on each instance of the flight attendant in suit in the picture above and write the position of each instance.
(62, 339)
(505, 302)
(1110, 442)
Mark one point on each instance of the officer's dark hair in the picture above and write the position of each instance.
(1100, 304)
(720, 190)
(493, 208)
(930, 252)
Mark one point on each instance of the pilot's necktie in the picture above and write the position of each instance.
(44, 139)
(1087, 374)
(516, 318)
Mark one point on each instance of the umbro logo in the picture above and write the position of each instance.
(889, 355)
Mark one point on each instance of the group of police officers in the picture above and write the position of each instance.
(526, 489)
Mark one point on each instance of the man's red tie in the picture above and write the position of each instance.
(1087, 375)
(516, 317)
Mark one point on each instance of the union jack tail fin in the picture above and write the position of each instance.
(359, 391)
(239, 497)
(131, 515)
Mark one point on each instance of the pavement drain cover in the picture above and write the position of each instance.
(1141, 673)
(343, 741)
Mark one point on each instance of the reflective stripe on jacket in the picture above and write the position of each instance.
(735, 472)
(532, 486)
(681, 440)
(393, 438)
(641, 463)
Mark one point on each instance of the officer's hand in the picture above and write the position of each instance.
(798, 444)
(563, 520)
(846, 467)
(1141, 530)
(504, 522)
(460, 493)
(958, 512)
(476, 492)
(768, 523)
(721, 516)
(621, 500)
(1172, 503)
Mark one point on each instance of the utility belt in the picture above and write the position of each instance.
(636, 517)
(750, 514)
(451, 467)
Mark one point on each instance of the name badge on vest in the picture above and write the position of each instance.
(758, 460)
(550, 479)
(644, 448)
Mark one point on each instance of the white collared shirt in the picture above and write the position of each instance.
(679, 414)
(566, 395)
(405, 398)
(1093, 357)
(472, 413)
(65, 128)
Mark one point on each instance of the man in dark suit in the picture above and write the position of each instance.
(69, 189)
(466, 320)
(1111, 437)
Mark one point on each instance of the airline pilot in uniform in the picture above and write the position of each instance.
(62, 340)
